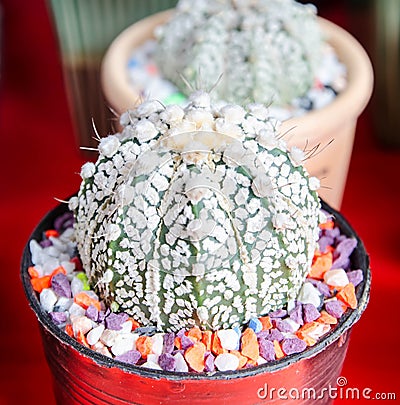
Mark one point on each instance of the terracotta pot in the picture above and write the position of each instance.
(81, 376)
(335, 122)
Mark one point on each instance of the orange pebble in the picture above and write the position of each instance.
(327, 319)
(178, 343)
(58, 270)
(144, 345)
(69, 330)
(306, 329)
(321, 264)
(327, 225)
(309, 340)
(51, 232)
(249, 344)
(206, 337)
(242, 359)
(40, 283)
(195, 334)
(33, 273)
(194, 356)
(82, 339)
(83, 300)
(266, 322)
(216, 346)
(135, 324)
(348, 296)
(278, 350)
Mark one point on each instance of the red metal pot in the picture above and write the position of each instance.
(81, 376)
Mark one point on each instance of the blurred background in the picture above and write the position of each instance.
(40, 160)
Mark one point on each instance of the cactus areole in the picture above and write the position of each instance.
(267, 51)
(196, 216)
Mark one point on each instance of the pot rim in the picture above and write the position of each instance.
(344, 324)
(349, 103)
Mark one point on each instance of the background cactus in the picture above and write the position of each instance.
(196, 216)
(266, 50)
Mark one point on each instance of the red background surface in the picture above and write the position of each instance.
(39, 160)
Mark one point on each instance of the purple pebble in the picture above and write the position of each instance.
(58, 317)
(45, 243)
(324, 242)
(334, 308)
(262, 334)
(103, 315)
(180, 333)
(332, 233)
(209, 363)
(280, 313)
(355, 277)
(186, 342)
(169, 339)
(64, 221)
(275, 334)
(267, 350)
(310, 313)
(131, 357)
(92, 313)
(293, 345)
(61, 286)
(324, 289)
(167, 362)
(284, 325)
(296, 314)
(115, 321)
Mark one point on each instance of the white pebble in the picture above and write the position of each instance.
(180, 364)
(151, 365)
(68, 266)
(336, 278)
(126, 327)
(100, 348)
(108, 337)
(81, 324)
(123, 343)
(153, 358)
(76, 310)
(261, 360)
(64, 304)
(319, 331)
(309, 295)
(48, 299)
(157, 343)
(229, 339)
(94, 335)
(76, 286)
(226, 362)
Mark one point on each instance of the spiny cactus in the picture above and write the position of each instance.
(196, 216)
(266, 50)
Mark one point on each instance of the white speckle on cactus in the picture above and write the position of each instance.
(109, 146)
(113, 232)
(297, 155)
(200, 99)
(145, 131)
(233, 113)
(88, 170)
(73, 203)
(314, 183)
(173, 114)
(148, 107)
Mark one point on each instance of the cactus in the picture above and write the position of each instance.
(196, 216)
(266, 50)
